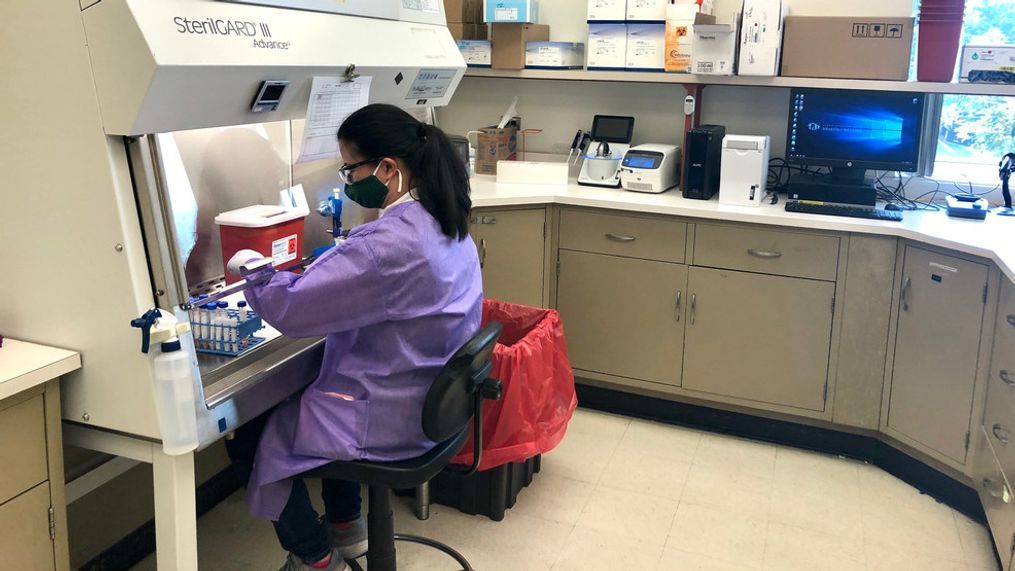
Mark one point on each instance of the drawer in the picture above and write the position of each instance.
(22, 447)
(999, 418)
(645, 237)
(24, 531)
(996, 495)
(796, 254)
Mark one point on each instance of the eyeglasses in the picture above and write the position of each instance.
(345, 171)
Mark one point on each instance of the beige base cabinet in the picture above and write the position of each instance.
(937, 348)
(996, 494)
(33, 523)
(511, 247)
(758, 337)
(623, 316)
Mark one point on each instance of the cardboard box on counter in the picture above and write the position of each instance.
(476, 53)
(680, 37)
(467, 31)
(646, 47)
(464, 11)
(847, 48)
(761, 37)
(510, 40)
(554, 55)
(607, 47)
(606, 10)
(495, 145)
(511, 11)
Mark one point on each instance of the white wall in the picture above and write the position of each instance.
(561, 107)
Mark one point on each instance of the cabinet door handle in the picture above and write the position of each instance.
(676, 310)
(694, 306)
(764, 254)
(905, 293)
(1006, 378)
(620, 237)
(489, 220)
(991, 487)
(1011, 319)
(482, 253)
(1001, 433)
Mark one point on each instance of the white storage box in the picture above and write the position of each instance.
(607, 46)
(477, 53)
(761, 37)
(607, 10)
(554, 55)
(511, 11)
(715, 49)
(646, 10)
(986, 58)
(646, 47)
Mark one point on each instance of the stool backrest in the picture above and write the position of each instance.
(450, 403)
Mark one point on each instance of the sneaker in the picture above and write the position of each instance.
(351, 543)
(294, 563)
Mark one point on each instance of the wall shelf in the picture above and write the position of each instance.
(743, 81)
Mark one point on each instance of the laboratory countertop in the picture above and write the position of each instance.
(25, 365)
(993, 238)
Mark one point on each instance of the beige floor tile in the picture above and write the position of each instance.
(590, 442)
(597, 423)
(589, 550)
(930, 529)
(830, 509)
(517, 542)
(728, 487)
(755, 459)
(977, 543)
(629, 514)
(730, 535)
(679, 560)
(816, 471)
(553, 498)
(878, 487)
(638, 471)
(886, 558)
(661, 440)
(793, 549)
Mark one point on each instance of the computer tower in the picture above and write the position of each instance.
(703, 153)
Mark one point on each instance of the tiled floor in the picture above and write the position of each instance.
(621, 494)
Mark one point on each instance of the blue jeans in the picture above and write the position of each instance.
(299, 529)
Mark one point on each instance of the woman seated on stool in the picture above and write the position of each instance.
(395, 301)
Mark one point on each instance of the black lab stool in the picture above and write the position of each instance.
(455, 398)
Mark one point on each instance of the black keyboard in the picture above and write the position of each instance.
(843, 210)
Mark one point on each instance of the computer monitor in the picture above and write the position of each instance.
(852, 131)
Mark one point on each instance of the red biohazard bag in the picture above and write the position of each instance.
(530, 360)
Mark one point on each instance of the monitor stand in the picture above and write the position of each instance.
(843, 184)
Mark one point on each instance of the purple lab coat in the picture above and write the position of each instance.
(395, 301)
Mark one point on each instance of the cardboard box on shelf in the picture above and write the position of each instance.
(607, 47)
(646, 10)
(464, 11)
(554, 55)
(761, 37)
(680, 37)
(509, 41)
(494, 145)
(467, 31)
(847, 48)
(510, 11)
(715, 49)
(985, 58)
(606, 10)
(646, 47)
(476, 53)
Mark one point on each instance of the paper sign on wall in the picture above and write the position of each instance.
(332, 99)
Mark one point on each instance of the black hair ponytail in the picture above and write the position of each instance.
(439, 175)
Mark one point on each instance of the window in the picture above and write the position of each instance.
(975, 131)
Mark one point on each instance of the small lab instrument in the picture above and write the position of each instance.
(964, 205)
(744, 170)
(650, 168)
(1005, 168)
(611, 138)
(574, 144)
(831, 209)
(702, 157)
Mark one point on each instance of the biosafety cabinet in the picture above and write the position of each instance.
(127, 126)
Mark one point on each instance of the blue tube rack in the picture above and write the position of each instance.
(219, 340)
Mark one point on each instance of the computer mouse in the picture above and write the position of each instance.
(892, 206)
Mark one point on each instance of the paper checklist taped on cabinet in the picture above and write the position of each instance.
(332, 99)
